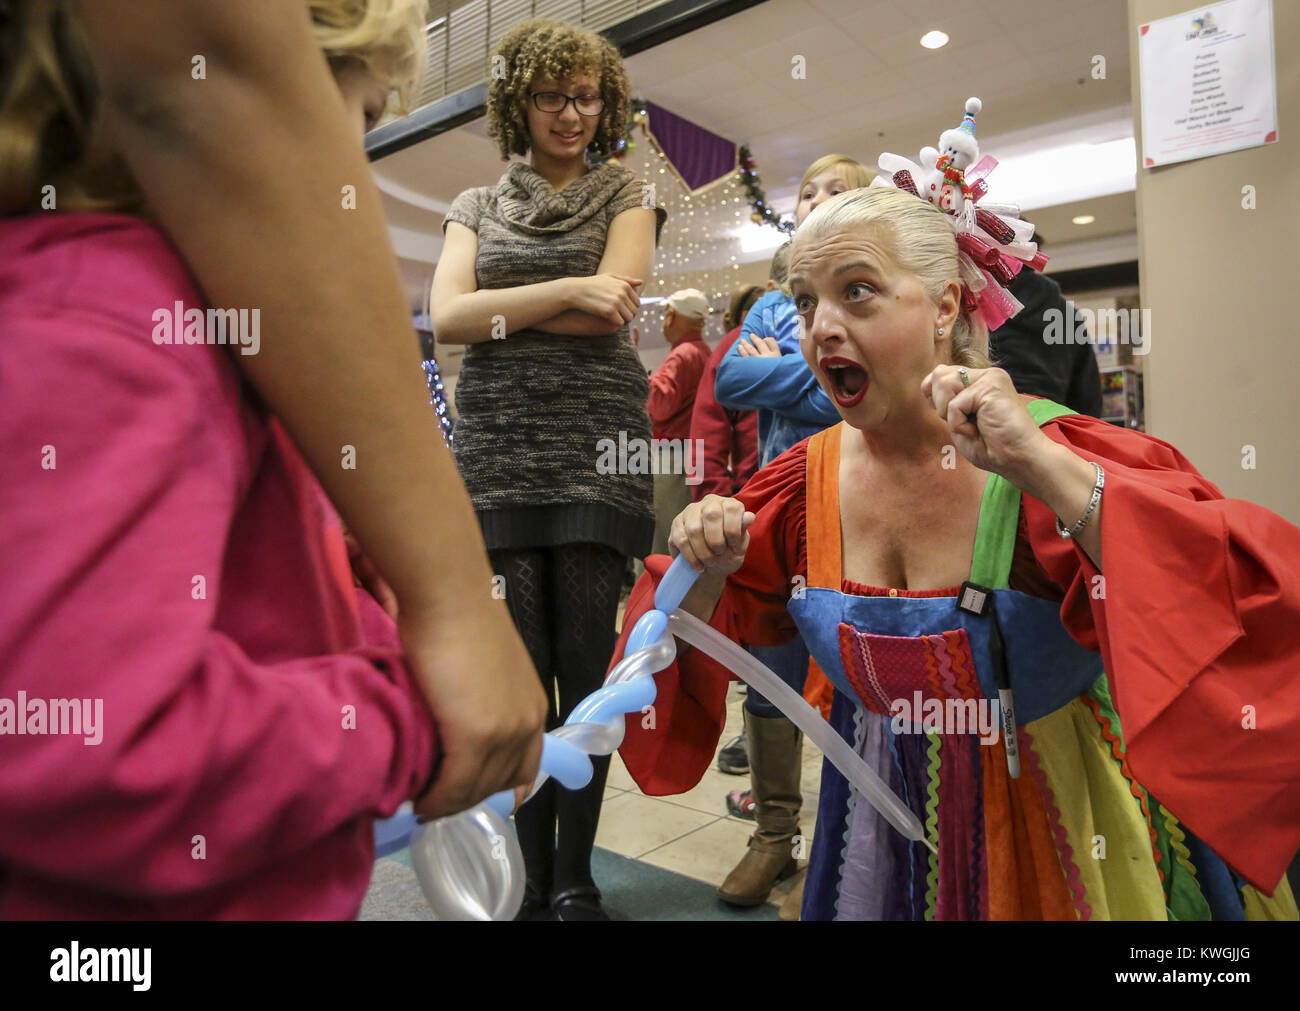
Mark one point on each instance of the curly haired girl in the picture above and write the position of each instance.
(540, 275)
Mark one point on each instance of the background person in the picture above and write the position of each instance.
(552, 259)
(671, 402)
(1065, 373)
(729, 437)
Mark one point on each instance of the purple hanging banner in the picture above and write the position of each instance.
(697, 155)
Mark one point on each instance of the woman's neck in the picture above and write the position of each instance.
(912, 435)
(556, 171)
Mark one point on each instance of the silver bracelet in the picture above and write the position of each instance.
(1077, 529)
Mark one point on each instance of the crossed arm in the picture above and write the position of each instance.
(463, 314)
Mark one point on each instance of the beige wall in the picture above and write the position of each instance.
(1224, 366)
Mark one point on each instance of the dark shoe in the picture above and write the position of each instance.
(534, 907)
(734, 758)
(580, 903)
(740, 804)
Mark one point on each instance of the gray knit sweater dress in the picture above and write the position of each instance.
(534, 407)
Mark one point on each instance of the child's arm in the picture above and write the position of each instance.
(247, 171)
(784, 384)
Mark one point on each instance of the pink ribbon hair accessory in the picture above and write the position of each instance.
(994, 244)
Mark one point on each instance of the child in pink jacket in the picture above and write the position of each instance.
(199, 717)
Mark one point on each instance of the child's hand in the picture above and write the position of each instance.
(754, 346)
(487, 700)
(367, 576)
(711, 534)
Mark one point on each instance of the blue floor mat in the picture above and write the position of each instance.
(632, 890)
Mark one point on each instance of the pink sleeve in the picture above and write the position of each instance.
(711, 429)
(104, 549)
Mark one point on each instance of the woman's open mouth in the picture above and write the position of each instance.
(848, 380)
(568, 138)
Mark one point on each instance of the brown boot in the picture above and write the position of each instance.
(775, 772)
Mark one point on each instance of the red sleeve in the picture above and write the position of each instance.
(1198, 621)
(711, 426)
(670, 753)
(668, 391)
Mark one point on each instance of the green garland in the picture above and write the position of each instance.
(762, 213)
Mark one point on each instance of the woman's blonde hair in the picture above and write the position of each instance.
(541, 47)
(852, 171)
(49, 97)
(920, 239)
(385, 36)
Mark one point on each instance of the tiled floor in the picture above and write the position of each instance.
(656, 857)
(691, 833)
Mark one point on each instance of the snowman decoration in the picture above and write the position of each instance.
(993, 242)
(944, 185)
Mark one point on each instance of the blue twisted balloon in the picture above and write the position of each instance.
(470, 867)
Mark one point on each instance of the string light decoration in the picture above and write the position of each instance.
(438, 398)
(700, 243)
(432, 375)
(638, 119)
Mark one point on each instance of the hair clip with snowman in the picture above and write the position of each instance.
(994, 243)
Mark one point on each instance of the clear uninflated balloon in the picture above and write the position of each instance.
(469, 866)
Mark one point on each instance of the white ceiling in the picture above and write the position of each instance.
(870, 87)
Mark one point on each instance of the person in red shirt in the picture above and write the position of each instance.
(672, 399)
(728, 439)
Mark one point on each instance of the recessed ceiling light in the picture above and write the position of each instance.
(1084, 219)
(934, 40)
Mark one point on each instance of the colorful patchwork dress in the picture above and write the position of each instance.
(1097, 821)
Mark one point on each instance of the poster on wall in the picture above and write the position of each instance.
(1209, 82)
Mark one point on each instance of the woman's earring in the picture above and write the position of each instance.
(940, 331)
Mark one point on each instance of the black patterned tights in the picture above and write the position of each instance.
(564, 602)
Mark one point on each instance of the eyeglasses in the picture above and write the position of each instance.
(553, 101)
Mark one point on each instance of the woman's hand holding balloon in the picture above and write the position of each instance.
(712, 535)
